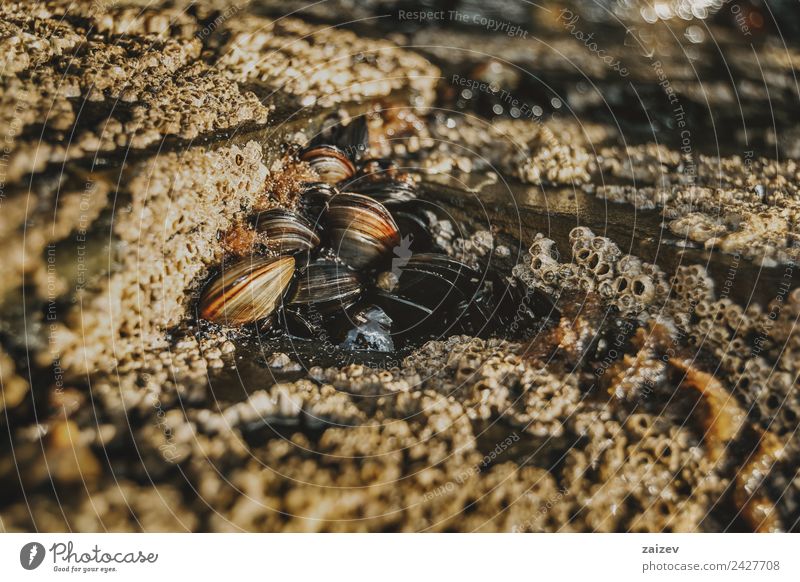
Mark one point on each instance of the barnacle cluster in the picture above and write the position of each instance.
(146, 86)
(143, 71)
(596, 265)
(653, 380)
(534, 152)
(756, 347)
(306, 62)
(746, 209)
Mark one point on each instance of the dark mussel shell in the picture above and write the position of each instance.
(352, 139)
(314, 200)
(302, 323)
(383, 180)
(331, 163)
(246, 291)
(440, 270)
(326, 285)
(386, 191)
(415, 221)
(437, 294)
(413, 323)
(361, 230)
(285, 232)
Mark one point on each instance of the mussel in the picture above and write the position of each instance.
(360, 218)
(314, 200)
(285, 232)
(319, 298)
(352, 138)
(326, 285)
(331, 163)
(414, 322)
(425, 269)
(361, 230)
(384, 181)
(246, 291)
(435, 294)
(415, 220)
(386, 191)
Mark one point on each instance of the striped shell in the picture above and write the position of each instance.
(384, 181)
(285, 232)
(385, 190)
(362, 231)
(246, 291)
(330, 162)
(325, 283)
(314, 200)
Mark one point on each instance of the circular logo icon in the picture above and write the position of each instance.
(31, 555)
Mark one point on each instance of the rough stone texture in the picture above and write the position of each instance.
(318, 65)
(179, 203)
(14, 387)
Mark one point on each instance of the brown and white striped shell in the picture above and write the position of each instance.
(285, 232)
(246, 291)
(314, 199)
(361, 230)
(325, 283)
(330, 162)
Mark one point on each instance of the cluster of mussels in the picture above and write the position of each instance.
(355, 262)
